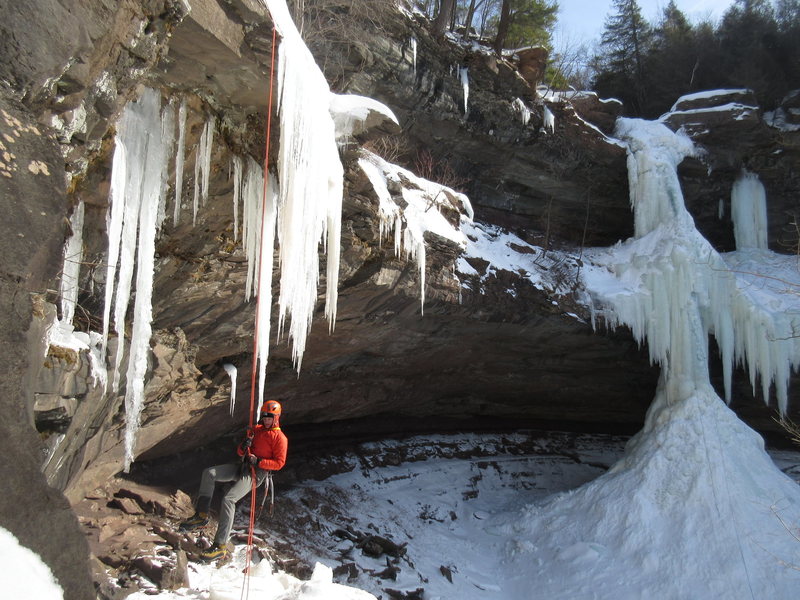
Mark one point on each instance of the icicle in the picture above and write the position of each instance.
(414, 53)
(523, 110)
(202, 167)
(237, 189)
(463, 74)
(73, 256)
(549, 120)
(137, 193)
(179, 159)
(168, 142)
(265, 261)
(749, 212)
(251, 226)
(232, 373)
(206, 145)
(311, 180)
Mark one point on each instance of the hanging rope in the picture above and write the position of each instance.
(253, 405)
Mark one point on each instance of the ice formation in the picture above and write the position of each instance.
(749, 212)
(695, 471)
(549, 120)
(351, 112)
(311, 179)
(414, 53)
(423, 200)
(672, 288)
(232, 372)
(73, 256)
(237, 194)
(523, 110)
(137, 192)
(463, 75)
(179, 160)
(202, 166)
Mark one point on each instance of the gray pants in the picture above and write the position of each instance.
(242, 485)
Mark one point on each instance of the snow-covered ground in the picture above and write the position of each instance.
(481, 521)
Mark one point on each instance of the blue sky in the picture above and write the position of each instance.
(582, 20)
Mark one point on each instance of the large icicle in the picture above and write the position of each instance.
(202, 167)
(137, 195)
(179, 160)
(463, 75)
(311, 179)
(252, 192)
(73, 256)
(237, 194)
(749, 212)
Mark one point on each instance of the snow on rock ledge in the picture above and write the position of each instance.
(361, 117)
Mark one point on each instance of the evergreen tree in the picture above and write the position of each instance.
(625, 41)
(750, 42)
(671, 62)
(525, 23)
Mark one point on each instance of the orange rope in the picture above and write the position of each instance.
(253, 490)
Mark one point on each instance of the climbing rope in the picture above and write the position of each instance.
(253, 406)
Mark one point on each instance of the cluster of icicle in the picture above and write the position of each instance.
(304, 211)
(145, 137)
(422, 199)
(311, 180)
(678, 289)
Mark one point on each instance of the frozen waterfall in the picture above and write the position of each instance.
(749, 212)
(695, 475)
(672, 288)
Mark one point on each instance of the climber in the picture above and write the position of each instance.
(262, 451)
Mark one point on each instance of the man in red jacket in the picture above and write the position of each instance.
(264, 450)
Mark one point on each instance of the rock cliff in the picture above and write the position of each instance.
(489, 348)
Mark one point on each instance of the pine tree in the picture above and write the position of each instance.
(525, 23)
(625, 40)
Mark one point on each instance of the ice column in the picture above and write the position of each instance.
(137, 192)
(311, 180)
(179, 159)
(237, 194)
(463, 74)
(678, 289)
(749, 212)
(73, 256)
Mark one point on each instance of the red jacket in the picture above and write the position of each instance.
(270, 446)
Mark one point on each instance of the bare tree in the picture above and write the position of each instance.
(446, 10)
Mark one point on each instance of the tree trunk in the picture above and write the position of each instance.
(470, 16)
(446, 9)
(502, 27)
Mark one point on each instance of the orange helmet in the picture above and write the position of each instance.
(271, 407)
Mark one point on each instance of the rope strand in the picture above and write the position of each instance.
(253, 407)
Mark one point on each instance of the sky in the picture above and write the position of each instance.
(583, 19)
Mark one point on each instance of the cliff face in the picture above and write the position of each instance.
(489, 346)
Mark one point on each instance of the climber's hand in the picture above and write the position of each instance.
(252, 459)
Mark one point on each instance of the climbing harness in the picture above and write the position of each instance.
(253, 479)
